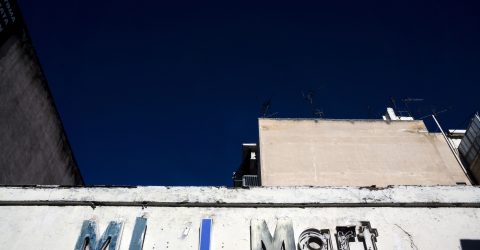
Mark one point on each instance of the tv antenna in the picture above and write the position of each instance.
(318, 113)
(434, 113)
(408, 100)
(309, 97)
(265, 108)
(394, 103)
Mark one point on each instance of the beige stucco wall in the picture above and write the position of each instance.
(354, 152)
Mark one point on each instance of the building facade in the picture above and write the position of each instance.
(347, 152)
(34, 148)
(439, 209)
(469, 147)
(307, 184)
(272, 218)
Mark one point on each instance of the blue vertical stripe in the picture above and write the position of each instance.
(205, 234)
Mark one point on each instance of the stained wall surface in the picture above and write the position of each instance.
(33, 146)
(427, 218)
(296, 152)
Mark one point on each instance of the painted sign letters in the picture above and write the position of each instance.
(260, 237)
(310, 239)
(205, 234)
(88, 236)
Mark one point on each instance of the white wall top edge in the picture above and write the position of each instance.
(259, 196)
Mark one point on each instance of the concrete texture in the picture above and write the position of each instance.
(315, 152)
(55, 226)
(33, 146)
(426, 196)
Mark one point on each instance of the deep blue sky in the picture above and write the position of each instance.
(165, 92)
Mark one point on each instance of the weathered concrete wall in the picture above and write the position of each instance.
(33, 147)
(51, 218)
(297, 152)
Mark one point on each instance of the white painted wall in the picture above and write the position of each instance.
(51, 218)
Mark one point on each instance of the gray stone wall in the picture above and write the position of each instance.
(33, 145)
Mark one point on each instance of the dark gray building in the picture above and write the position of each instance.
(33, 145)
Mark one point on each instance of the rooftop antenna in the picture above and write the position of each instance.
(409, 100)
(309, 97)
(265, 108)
(394, 103)
(434, 113)
(318, 112)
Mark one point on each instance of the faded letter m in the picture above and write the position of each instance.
(88, 236)
(261, 239)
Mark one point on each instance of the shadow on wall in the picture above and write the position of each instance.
(470, 244)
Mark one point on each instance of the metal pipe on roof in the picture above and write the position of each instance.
(452, 149)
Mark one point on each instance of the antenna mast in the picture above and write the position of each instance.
(309, 97)
(409, 100)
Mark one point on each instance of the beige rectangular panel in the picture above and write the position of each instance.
(297, 152)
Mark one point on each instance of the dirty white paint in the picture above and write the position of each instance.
(405, 217)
